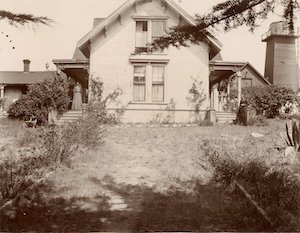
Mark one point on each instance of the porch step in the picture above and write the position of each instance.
(69, 116)
(3, 114)
(225, 117)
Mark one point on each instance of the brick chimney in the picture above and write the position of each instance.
(26, 65)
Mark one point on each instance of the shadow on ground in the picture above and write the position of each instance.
(208, 208)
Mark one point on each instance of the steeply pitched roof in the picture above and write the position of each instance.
(240, 66)
(20, 77)
(84, 42)
(259, 75)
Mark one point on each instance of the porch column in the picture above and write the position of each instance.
(214, 98)
(228, 87)
(2, 91)
(239, 86)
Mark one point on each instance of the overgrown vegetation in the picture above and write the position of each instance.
(40, 98)
(264, 100)
(196, 98)
(50, 146)
(271, 178)
(294, 138)
(267, 100)
(258, 120)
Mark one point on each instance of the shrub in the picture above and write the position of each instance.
(274, 185)
(258, 120)
(231, 104)
(91, 129)
(196, 97)
(293, 139)
(2, 102)
(51, 146)
(18, 170)
(267, 100)
(51, 93)
(205, 122)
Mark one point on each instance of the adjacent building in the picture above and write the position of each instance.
(282, 56)
(14, 83)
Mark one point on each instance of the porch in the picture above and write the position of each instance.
(78, 70)
(225, 78)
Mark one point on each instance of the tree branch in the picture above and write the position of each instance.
(21, 19)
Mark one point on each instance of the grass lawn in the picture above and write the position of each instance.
(144, 179)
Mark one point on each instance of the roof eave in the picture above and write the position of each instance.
(257, 72)
(84, 43)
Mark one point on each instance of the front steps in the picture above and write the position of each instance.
(3, 114)
(225, 117)
(69, 116)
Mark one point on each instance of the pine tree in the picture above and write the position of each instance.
(228, 14)
(22, 19)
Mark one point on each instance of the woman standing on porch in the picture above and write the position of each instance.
(77, 98)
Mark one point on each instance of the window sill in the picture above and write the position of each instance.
(148, 103)
(158, 58)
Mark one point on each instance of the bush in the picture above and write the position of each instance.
(258, 120)
(40, 98)
(51, 146)
(18, 170)
(274, 185)
(267, 100)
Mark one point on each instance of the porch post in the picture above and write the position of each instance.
(239, 86)
(215, 94)
(211, 99)
(228, 87)
(2, 91)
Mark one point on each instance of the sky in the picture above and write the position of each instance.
(74, 18)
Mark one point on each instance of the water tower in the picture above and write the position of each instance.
(282, 66)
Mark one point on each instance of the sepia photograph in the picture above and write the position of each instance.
(149, 116)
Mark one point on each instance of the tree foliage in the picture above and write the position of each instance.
(268, 100)
(41, 98)
(228, 14)
(22, 19)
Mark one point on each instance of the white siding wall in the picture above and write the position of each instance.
(110, 61)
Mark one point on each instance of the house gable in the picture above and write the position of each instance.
(117, 17)
(113, 59)
(254, 77)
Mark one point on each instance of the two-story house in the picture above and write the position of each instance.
(155, 84)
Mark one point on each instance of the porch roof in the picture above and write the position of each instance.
(220, 70)
(77, 69)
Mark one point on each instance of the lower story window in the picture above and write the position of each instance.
(158, 87)
(139, 83)
(149, 84)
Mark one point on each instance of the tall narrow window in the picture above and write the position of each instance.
(158, 83)
(157, 29)
(139, 83)
(141, 36)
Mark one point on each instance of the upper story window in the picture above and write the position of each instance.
(147, 31)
